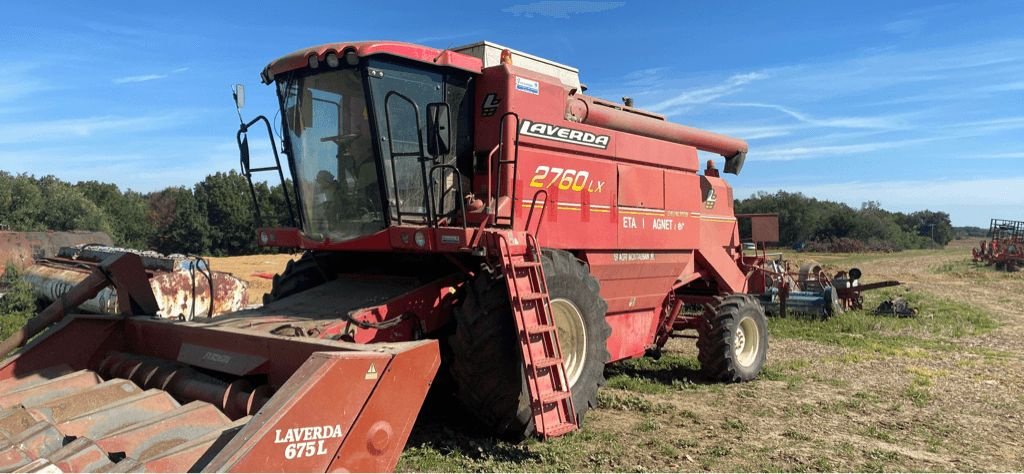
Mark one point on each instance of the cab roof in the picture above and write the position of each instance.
(300, 59)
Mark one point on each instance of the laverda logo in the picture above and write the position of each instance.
(563, 134)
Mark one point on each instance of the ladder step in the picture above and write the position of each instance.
(526, 264)
(546, 362)
(540, 329)
(532, 296)
(559, 430)
(554, 397)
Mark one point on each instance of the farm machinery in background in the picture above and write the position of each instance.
(809, 290)
(472, 199)
(1004, 248)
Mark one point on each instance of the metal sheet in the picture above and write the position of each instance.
(173, 291)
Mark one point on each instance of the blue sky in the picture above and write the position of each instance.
(913, 104)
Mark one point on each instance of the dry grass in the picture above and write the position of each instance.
(248, 267)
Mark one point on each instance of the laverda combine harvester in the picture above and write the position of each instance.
(470, 206)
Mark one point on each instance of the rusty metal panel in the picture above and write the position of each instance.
(51, 280)
(81, 455)
(15, 420)
(194, 455)
(163, 433)
(39, 440)
(53, 389)
(764, 228)
(120, 414)
(35, 378)
(39, 465)
(84, 401)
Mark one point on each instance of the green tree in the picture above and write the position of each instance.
(180, 222)
(21, 202)
(65, 208)
(18, 303)
(227, 201)
(126, 212)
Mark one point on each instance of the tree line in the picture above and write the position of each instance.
(813, 224)
(215, 216)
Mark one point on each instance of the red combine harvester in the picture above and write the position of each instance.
(1005, 247)
(470, 205)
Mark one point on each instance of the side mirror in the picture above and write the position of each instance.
(239, 93)
(439, 129)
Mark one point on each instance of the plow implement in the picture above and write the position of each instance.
(98, 393)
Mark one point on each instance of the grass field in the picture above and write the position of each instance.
(943, 391)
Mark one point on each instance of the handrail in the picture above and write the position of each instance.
(543, 208)
(515, 168)
(242, 138)
(419, 154)
(460, 200)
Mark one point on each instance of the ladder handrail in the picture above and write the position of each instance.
(540, 218)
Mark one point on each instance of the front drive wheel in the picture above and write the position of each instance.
(733, 342)
(486, 362)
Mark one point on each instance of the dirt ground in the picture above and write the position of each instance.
(942, 391)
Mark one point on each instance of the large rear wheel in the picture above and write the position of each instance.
(486, 363)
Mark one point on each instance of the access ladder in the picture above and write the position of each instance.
(551, 400)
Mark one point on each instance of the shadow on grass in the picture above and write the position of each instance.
(656, 375)
(447, 435)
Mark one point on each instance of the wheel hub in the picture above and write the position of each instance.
(746, 342)
(572, 337)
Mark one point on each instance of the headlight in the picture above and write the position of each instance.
(421, 239)
(332, 60)
(264, 238)
(313, 61)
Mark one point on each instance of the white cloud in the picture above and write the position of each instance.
(148, 77)
(906, 27)
(143, 78)
(18, 81)
(788, 153)
(1013, 155)
(705, 94)
(61, 129)
(560, 9)
(884, 123)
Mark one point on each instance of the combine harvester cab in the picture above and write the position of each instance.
(99, 393)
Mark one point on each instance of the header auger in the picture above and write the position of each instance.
(474, 195)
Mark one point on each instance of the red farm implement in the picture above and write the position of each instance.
(1004, 248)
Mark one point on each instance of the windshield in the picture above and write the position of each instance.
(332, 153)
